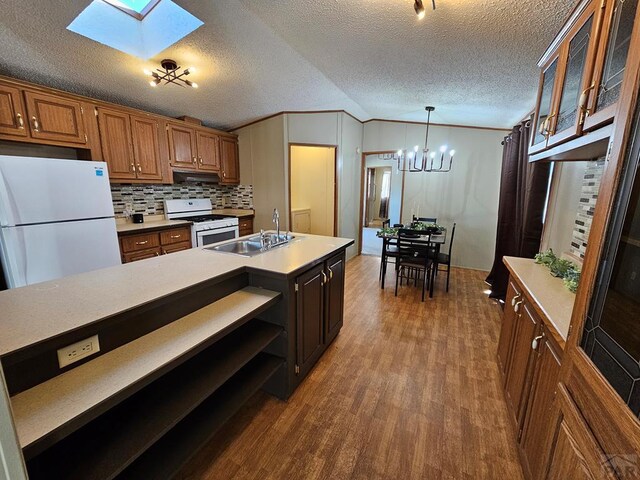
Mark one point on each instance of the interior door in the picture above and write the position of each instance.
(229, 161)
(309, 318)
(12, 112)
(208, 151)
(115, 138)
(55, 118)
(146, 147)
(182, 147)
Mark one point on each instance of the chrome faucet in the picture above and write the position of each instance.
(276, 220)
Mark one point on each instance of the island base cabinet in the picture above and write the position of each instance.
(319, 311)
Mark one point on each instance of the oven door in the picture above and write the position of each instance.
(208, 237)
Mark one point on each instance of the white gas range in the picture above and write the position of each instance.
(207, 227)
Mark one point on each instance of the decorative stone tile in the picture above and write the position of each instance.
(148, 199)
(586, 207)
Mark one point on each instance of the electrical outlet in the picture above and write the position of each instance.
(77, 351)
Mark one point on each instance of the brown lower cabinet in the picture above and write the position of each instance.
(140, 246)
(319, 312)
(529, 359)
(245, 226)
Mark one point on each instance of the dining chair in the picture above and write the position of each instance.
(413, 260)
(445, 258)
(425, 219)
(389, 250)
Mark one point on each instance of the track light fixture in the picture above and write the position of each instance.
(418, 6)
(170, 74)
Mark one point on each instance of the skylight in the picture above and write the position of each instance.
(163, 24)
(138, 9)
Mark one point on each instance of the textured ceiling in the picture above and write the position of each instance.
(475, 60)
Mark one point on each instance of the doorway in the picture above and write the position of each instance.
(382, 191)
(312, 189)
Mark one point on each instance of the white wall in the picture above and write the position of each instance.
(264, 154)
(468, 195)
(395, 201)
(262, 164)
(312, 185)
(563, 205)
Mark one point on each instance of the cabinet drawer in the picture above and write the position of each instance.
(245, 226)
(134, 243)
(141, 255)
(176, 235)
(176, 247)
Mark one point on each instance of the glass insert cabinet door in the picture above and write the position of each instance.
(541, 131)
(611, 61)
(611, 336)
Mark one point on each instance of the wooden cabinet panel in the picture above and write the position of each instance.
(146, 147)
(335, 297)
(578, 58)
(538, 430)
(12, 112)
(518, 374)
(208, 151)
(141, 255)
(176, 247)
(115, 138)
(142, 241)
(182, 147)
(309, 318)
(245, 226)
(507, 330)
(544, 108)
(568, 462)
(229, 168)
(176, 235)
(55, 118)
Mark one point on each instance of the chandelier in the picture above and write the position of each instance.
(425, 160)
(170, 73)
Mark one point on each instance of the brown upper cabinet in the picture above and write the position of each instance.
(611, 59)
(55, 118)
(130, 145)
(12, 112)
(230, 168)
(567, 72)
(198, 149)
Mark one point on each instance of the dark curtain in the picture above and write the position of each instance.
(523, 190)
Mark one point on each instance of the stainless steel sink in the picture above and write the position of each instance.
(252, 245)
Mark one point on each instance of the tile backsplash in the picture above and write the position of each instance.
(148, 199)
(584, 217)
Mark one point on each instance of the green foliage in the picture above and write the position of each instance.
(561, 268)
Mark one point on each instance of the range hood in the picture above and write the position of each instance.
(195, 177)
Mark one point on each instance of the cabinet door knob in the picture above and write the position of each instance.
(36, 125)
(142, 243)
(536, 342)
(176, 236)
(330, 273)
(324, 277)
(133, 167)
(20, 120)
(516, 307)
(195, 160)
(515, 299)
(139, 168)
(200, 160)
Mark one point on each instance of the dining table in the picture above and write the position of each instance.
(436, 239)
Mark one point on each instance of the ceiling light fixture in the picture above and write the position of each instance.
(170, 73)
(414, 161)
(418, 6)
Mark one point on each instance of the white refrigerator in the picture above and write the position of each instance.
(56, 219)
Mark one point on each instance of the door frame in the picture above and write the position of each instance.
(335, 181)
(363, 173)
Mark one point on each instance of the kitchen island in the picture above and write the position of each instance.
(184, 340)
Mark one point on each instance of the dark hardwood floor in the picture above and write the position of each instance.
(408, 390)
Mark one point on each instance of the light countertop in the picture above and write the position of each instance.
(149, 225)
(38, 312)
(552, 300)
(234, 212)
